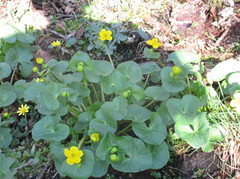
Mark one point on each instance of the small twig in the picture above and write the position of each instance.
(179, 170)
(26, 164)
(56, 33)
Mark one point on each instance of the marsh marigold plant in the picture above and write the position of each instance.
(73, 155)
(23, 109)
(105, 35)
(154, 43)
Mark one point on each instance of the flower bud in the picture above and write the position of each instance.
(35, 69)
(39, 61)
(125, 94)
(65, 94)
(114, 150)
(80, 68)
(176, 70)
(114, 157)
(95, 137)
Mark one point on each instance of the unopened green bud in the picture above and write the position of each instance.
(114, 157)
(39, 61)
(35, 69)
(176, 70)
(114, 150)
(65, 94)
(6, 114)
(125, 94)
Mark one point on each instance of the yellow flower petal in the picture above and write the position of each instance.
(79, 153)
(67, 153)
(77, 160)
(70, 161)
(23, 109)
(149, 42)
(74, 149)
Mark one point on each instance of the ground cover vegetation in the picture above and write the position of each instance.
(85, 112)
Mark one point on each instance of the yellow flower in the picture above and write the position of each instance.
(23, 109)
(154, 43)
(235, 103)
(95, 137)
(39, 79)
(73, 155)
(105, 35)
(56, 43)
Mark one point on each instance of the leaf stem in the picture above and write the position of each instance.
(103, 97)
(86, 85)
(145, 84)
(13, 74)
(151, 102)
(124, 129)
(81, 141)
(95, 92)
(110, 58)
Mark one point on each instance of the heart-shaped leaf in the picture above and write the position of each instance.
(131, 71)
(5, 137)
(154, 133)
(5, 70)
(181, 57)
(171, 84)
(184, 110)
(197, 133)
(160, 155)
(157, 93)
(50, 129)
(7, 94)
(137, 113)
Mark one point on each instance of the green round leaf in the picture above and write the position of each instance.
(157, 93)
(137, 113)
(160, 155)
(5, 137)
(150, 67)
(50, 129)
(103, 68)
(165, 116)
(150, 53)
(102, 125)
(5, 70)
(184, 110)
(181, 57)
(6, 172)
(154, 133)
(197, 133)
(100, 168)
(7, 94)
(171, 84)
(131, 71)
(115, 82)
(135, 156)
